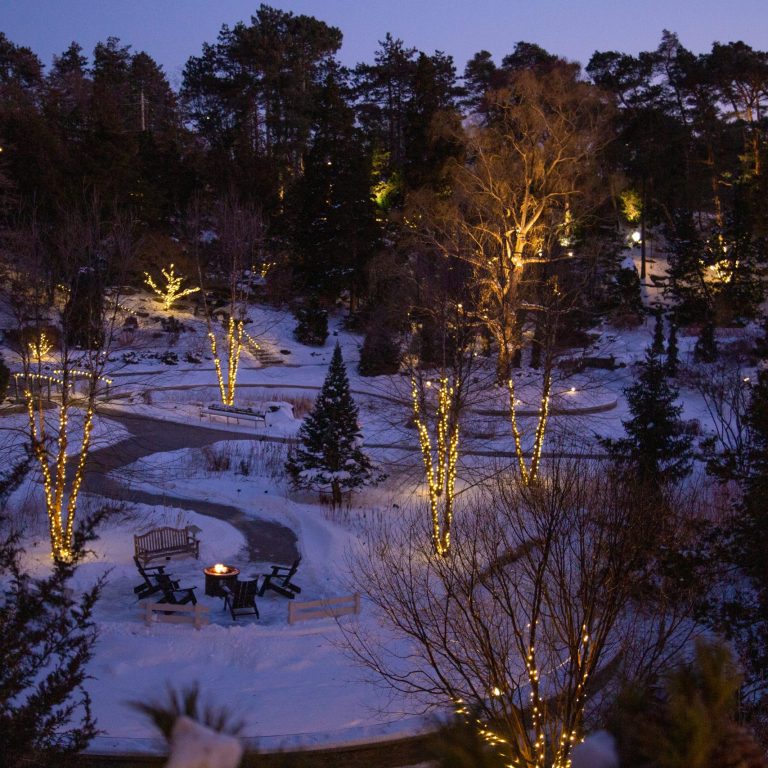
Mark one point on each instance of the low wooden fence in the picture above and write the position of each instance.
(332, 607)
(169, 613)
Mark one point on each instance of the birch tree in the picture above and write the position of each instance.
(61, 399)
(528, 178)
(239, 257)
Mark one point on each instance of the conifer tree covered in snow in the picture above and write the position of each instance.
(655, 446)
(329, 455)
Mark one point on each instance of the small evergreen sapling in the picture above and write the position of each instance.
(329, 455)
(656, 445)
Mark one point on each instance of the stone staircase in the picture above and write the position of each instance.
(263, 351)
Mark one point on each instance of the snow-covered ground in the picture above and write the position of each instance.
(290, 684)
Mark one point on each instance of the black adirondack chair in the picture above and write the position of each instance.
(178, 596)
(279, 580)
(240, 598)
(155, 580)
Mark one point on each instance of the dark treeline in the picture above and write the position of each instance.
(339, 162)
(467, 224)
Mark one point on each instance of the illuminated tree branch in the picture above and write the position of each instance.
(172, 291)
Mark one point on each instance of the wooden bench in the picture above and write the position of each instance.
(332, 607)
(230, 412)
(170, 613)
(164, 543)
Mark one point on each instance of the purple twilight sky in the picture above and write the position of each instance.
(172, 30)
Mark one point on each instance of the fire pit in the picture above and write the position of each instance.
(217, 576)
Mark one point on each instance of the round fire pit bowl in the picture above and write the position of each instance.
(217, 576)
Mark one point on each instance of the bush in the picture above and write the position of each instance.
(217, 461)
(171, 325)
(380, 354)
(311, 326)
(169, 358)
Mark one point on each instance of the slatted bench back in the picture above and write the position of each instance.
(164, 541)
(161, 539)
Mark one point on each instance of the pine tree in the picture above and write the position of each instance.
(705, 350)
(329, 455)
(687, 719)
(744, 614)
(5, 378)
(332, 215)
(672, 361)
(46, 641)
(658, 333)
(655, 445)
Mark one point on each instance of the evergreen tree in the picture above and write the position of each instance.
(429, 141)
(687, 719)
(672, 360)
(46, 641)
(705, 350)
(5, 378)
(658, 333)
(311, 324)
(743, 543)
(330, 455)
(655, 445)
(333, 217)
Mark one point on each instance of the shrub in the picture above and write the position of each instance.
(311, 326)
(217, 460)
(380, 354)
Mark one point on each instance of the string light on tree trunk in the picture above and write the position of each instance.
(234, 339)
(53, 463)
(439, 464)
(529, 474)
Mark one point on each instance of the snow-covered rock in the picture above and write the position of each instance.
(278, 414)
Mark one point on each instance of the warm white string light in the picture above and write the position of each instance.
(234, 348)
(172, 291)
(440, 469)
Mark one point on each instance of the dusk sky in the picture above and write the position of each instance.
(172, 30)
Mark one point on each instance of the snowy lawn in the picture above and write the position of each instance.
(290, 684)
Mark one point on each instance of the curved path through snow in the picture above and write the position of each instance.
(265, 539)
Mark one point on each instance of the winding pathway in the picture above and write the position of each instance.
(265, 539)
